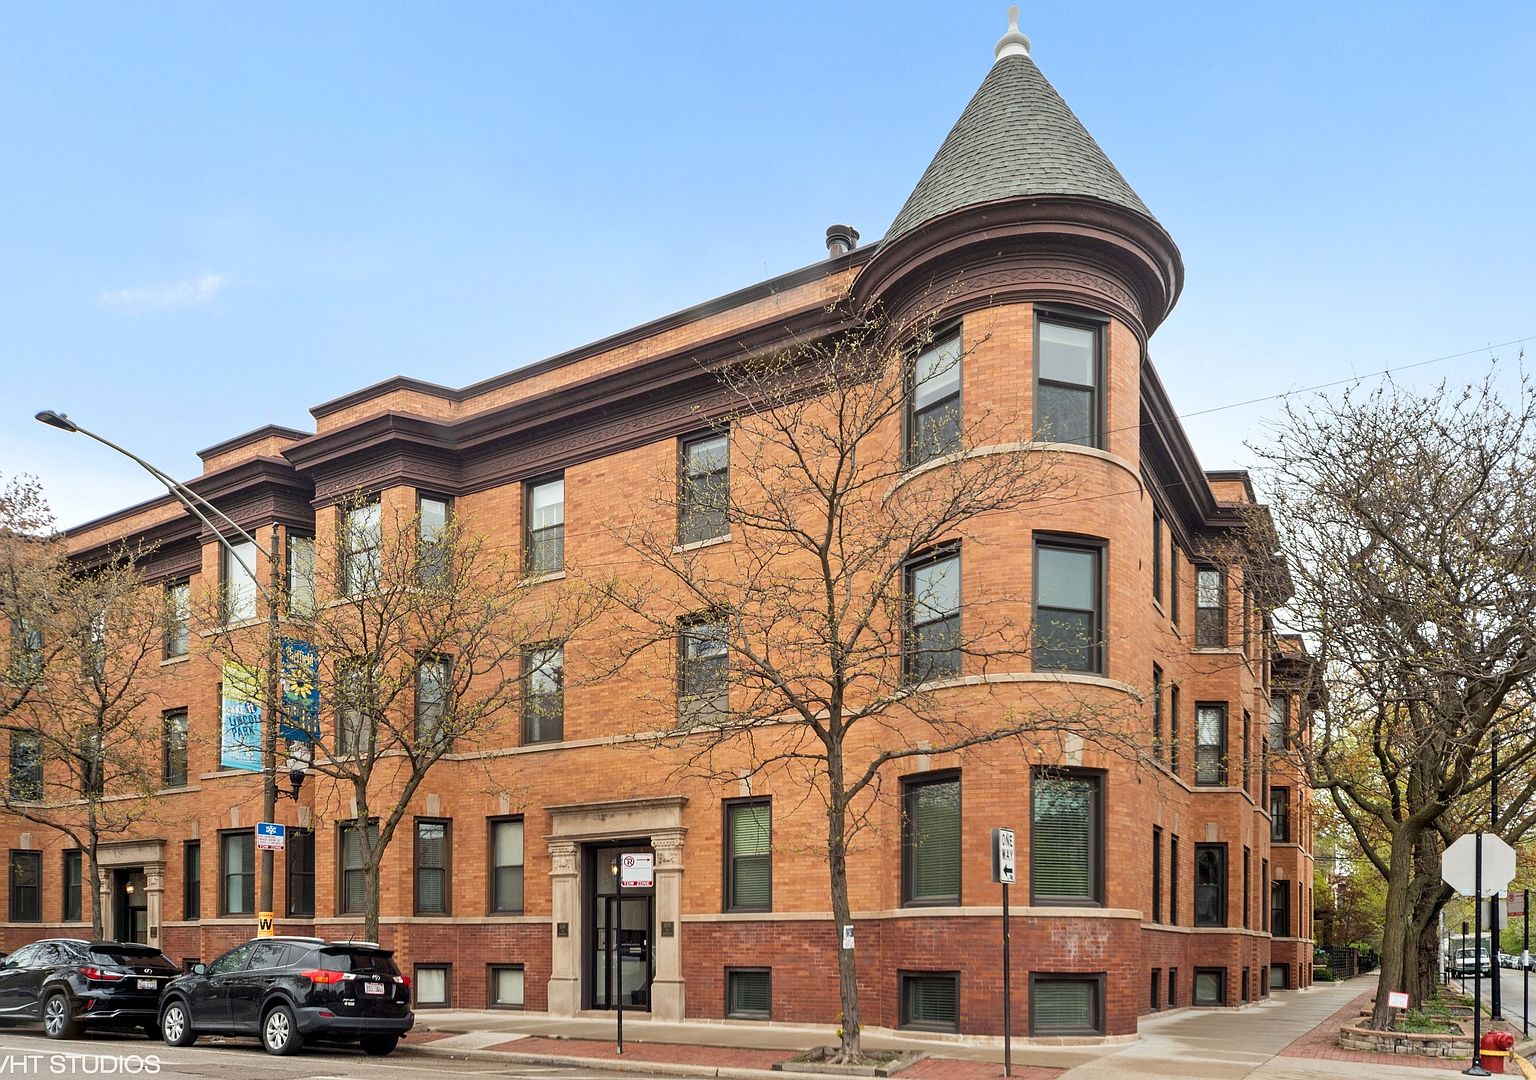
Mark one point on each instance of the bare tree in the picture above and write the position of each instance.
(32, 571)
(824, 642)
(1405, 522)
(416, 633)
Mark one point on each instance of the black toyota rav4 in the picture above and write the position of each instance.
(286, 990)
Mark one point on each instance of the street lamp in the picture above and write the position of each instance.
(272, 705)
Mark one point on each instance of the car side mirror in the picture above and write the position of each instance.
(199, 969)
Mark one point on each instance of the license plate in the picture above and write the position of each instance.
(373, 988)
(147, 984)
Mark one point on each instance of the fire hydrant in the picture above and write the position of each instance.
(1494, 1050)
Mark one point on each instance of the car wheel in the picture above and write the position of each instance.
(279, 1033)
(379, 1045)
(58, 1017)
(176, 1025)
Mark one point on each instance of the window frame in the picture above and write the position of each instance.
(490, 992)
(1157, 714)
(18, 912)
(1157, 874)
(910, 785)
(728, 808)
(177, 640)
(292, 539)
(693, 512)
(192, 884)
(228, 555)
(247, 879)
(25, 779)
(1280, 927)
(536, 545)
(1173, 729)
(1221, 982)
(1098, 548)
(535, 718)
(906, 982)
(1220, 885)
(1280, 739)
(493, 866)
(914, 455)
(1095, 979)
(170, 750)
(1221, 776)
(348, 550)
(1157, 555)
(417, 868)
(442, 704)
(72, 893)
(1097, 392)
(914, 671)
(431, 562)
(695, 708)
(300, 840)
(1247, 888)
(447, 970)
(731, 974)
(1097, 838)
(1211, 631)
(1173, 880)
(342, 869)
(1280, 824)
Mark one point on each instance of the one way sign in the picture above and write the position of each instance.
(271, 836)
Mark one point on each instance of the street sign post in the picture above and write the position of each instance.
(1458, 865)
(637, 869)
(270, 836)
(1004, 873)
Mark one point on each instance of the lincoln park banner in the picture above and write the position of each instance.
(240, 733)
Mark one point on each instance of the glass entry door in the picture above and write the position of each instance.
(621, 951)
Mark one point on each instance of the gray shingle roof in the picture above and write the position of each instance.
(1016, 137)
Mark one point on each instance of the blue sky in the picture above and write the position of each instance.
(217, 215)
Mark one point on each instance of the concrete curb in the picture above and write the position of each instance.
(723, 1072)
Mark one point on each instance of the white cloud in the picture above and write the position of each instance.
(178, 294)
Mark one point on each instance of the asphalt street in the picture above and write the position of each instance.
(29, 1054)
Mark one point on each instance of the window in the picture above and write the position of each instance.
(1210, 986)
(1066, 401)
(432, 688)
(433, 894)
(1157, 874)
(1279, 721)
(1280, 908)
(432, 547)
(1263, 908)
(930, 1001)
(1243, 985)
(1173, 889)
(432, 982)
(1157, 712)
(1173, 587)
(26, 649)
(1247, 889)
(354, 689)
(93, 647)
(704, 489)
(300, 853)
(173, 749)
(545, 543)
(26, 776)
(354, 862)
(1157, 555)
(1173, 730)
(1210, 884)
(70, 910)
(1210, 607)
(1065, 838)
(702, 691)
(749, 855)
(1066, 1005)
(1247, 754)
(932, 647)
(748, 993)
(544, 694)
(92, 765)
(1173, 988)
(1211, 744)
(933, 417)
(362, 542)
(507, 987)
(192, 880)
(1068, 626)
(1279, 976)
(301, 574)
(1155, 990)
(239, 581)
(238, 850)
(930, 842)
(26, 886)
(1280, 815)
(507, 866)
(178, 615)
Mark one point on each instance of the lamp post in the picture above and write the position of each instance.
(272, 695)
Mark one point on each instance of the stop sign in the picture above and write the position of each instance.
(1458, 866)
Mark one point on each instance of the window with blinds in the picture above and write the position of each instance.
(507, 866)
(1066, 1005)
(1211, 744)
(749, 856)
(1210, 884)
(748, 994)
(238, 851)
(300, 852)
(353, 898)
(1065, 838)
(432, 892)
(930, 1001)
(930, 842)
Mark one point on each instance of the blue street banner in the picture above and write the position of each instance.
(240, 730)
(301, 692)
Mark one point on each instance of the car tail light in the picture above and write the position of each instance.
(96, 974)
(318, 975)
(403, 980)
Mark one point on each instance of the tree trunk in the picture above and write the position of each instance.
(849, 1049)
(371, 896)
(93, 883)
(1394, 942)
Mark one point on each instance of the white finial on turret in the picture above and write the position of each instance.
(1013, 43)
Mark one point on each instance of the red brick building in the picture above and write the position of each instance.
(1179, 878)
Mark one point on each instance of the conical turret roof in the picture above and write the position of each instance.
(1016, 137)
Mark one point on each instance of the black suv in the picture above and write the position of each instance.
(72, 984)
(289, 989)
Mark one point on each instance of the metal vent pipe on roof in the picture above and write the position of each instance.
(841, 239)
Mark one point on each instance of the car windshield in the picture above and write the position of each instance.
(359, 962)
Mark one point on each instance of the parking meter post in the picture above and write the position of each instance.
(1476, 1068)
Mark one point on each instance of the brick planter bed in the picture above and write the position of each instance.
(1454, 1047)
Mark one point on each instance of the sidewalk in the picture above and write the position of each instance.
(1288, 1037)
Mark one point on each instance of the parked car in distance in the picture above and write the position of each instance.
(1471, 962)
(70, 984)
(289, 990)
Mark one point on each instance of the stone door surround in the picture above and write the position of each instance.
(122, 854)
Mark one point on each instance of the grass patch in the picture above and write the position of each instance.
(1427, 1021)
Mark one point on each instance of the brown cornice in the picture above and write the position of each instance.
(762, 289)
(1168, 456)
(270, 431)
(1065, 248)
